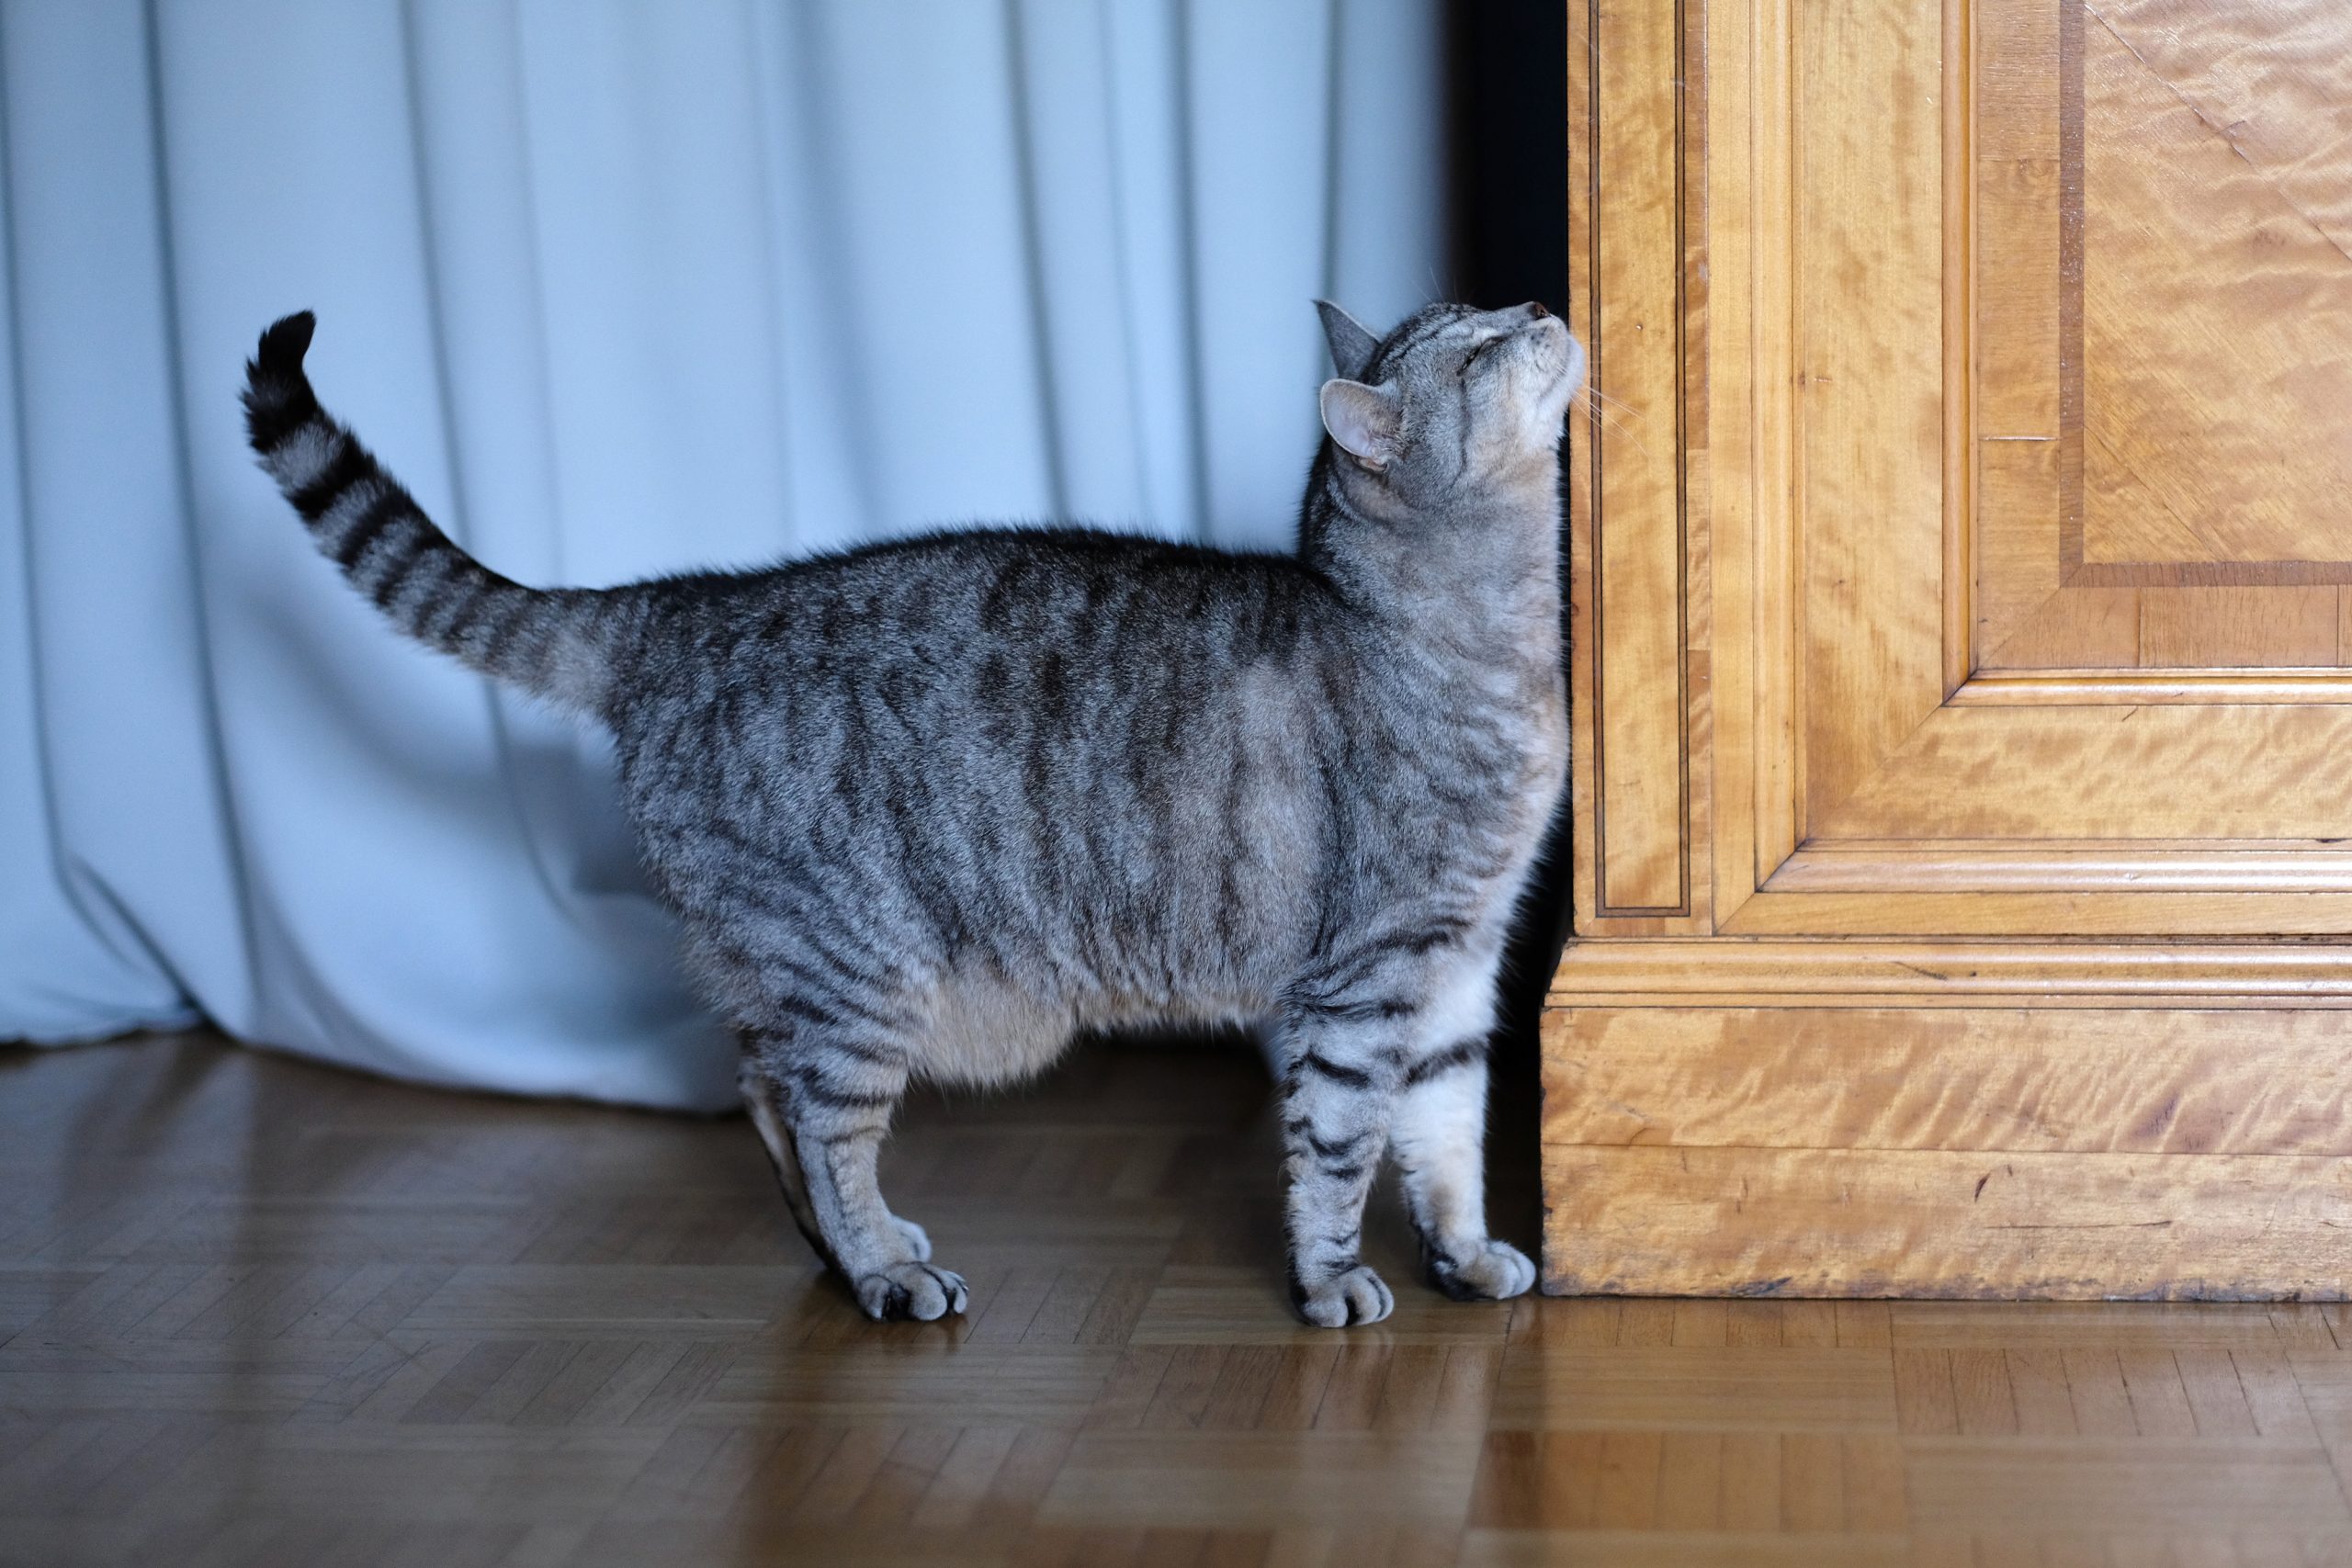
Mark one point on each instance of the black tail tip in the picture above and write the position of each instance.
(283, 347)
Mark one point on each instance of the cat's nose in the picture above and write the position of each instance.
(1535, 310)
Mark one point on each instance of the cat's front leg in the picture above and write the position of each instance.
(1336, 1091)
(1437, 1136)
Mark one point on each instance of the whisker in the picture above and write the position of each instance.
(1616, 427)
(1613, 402)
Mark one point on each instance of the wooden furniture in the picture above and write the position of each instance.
(255, 1311)
(1963, 614)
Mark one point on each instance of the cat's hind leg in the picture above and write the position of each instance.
(821, 1098)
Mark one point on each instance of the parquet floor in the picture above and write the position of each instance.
(257, 1313)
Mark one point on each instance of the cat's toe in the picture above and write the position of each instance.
(1357, 1295)
(914, 1291)
(1485, 1270)
(917, 1239)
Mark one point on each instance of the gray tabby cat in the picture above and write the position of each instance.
(930, 808)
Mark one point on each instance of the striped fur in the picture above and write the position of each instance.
(552, 642)
(931, 808)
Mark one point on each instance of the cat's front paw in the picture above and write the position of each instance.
(911, 1289)
(1353, 1296)
(917, 1239)
(1486, 1270)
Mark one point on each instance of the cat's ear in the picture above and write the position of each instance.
(1352, 345)
(1364, 421)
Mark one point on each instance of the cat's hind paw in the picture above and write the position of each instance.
(914, 1291)
(1353, 1296)
(1488, 1270)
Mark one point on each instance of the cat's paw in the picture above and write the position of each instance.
(911, 1289)
(1486, 1270)
(917, 1239)
(1353, 1296)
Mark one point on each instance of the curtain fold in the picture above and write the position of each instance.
(617, 288)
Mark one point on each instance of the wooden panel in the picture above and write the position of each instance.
(2016, 533)
(2015, 79)
(1977, 1079)
(1869, 378)
(2074, 629)
(2008, 643)
(2087, 772)
(1748, 460)
(1872, 757)
(2017, 296)
(2218, 310)
(2175, 262)
(2287, 626)
(1626, 472)
(1945, 1223)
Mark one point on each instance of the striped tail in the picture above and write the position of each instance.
(551, 641)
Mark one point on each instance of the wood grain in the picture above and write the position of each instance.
(1945, 1223)
(2072, 865)
(2024, 701)
(1625, 474)
(2100, 688)
(259, 1313)
(2037, 1081)
(1971, 974)
(2194, 388)
(2171, 772)
(1869, 371)
(2043, 913)
(2016, 538)
(1833, 597)
(2288, 627)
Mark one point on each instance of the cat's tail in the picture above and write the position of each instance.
(555, 642)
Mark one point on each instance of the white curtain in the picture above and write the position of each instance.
(618, 287)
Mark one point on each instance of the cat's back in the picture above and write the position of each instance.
(1045, 642)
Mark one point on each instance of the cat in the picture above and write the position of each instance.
(931, 808)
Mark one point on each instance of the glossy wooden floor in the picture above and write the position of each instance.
(256, 1312)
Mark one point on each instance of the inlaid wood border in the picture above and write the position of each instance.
(1630, 147)
(1952, 973)
(2072, 267)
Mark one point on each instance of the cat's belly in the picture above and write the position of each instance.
(983, 1029)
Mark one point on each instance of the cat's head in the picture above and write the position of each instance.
(1455, 400)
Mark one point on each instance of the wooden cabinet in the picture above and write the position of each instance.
(1962, 629)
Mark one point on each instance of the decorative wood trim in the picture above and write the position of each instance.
(2045, 913)
(2070, 288)
(2075, 570)
(1805, 1146)
(1963, 867)
(1774, 783)
(2207, 573)
(1944, 1224)
(1629, 492)
(2147, 1080)
(2046, 974)
(1959, 366)
(2142, 688)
